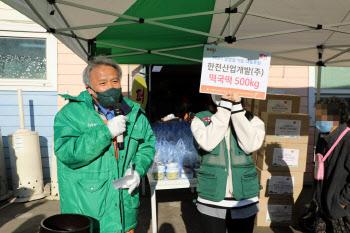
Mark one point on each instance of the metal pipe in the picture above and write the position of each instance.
(125, 54)
(292, 50)
(319, 72)
(242, 18)
(230, 19)
(37, 14)
(183, 29)
(294, 59)
(67, 24)
(128, 81)
(97, 10)
(188, 15)
(273, 34)
(178, 48)
(95, 26)
(280, 19)
(149, 91)
(20, 109)
(179, 57)
(337, 55)
(120, 46)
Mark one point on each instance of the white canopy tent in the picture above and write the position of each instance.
(295, 32)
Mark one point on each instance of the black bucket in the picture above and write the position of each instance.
(66, 223)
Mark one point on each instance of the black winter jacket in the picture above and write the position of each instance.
(335, 188)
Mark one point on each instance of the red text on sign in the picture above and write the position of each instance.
(249, 82)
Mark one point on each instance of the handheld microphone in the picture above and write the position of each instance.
(118, 111)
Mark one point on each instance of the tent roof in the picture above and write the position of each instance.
(151, 32)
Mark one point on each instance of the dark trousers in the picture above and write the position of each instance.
(217, 225)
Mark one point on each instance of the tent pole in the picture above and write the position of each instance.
(293, 59)
(338, 61)
(179, 57)
(182, 29)
(280, 19)
(160, 54)
(292, 50)
(223, 29)
(47, 27)
(324, 27)
(128, 81)
(149, 91)
(156, 50)
(178, 48)
(95, 26)
(230, 19)
(123, 47)
(319, 71)
(275, 33)
(242, 18)
(337, 55)
(84, 7)
(125, 54)
(69, 35)
(335, 46)
(267, 34)
(188, 15)
(67, 24)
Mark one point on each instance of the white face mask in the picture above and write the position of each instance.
(216, 99)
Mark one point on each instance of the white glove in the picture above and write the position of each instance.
(132, 184)
(117, 125)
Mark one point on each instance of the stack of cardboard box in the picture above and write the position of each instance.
(281, 161)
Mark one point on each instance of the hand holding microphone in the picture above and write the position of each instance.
(117, 125)
(118, 112)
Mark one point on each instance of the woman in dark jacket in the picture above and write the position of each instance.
(332, 194)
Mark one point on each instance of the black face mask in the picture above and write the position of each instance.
(107, 98)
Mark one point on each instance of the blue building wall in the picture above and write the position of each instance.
(40, 109)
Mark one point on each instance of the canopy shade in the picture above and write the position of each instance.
(295, 32)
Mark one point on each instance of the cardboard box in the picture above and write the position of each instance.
(280, 185)
(277, 103)
(286, 127)
(255, 157)
(282, 157)
(275, 212)
(249, 105)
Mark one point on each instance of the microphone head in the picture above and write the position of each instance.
(117, 105)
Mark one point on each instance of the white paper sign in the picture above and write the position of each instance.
(287, 128)
(18, 143)
(283, 157)
(279, 213)
(279, 106)
(231, 69)
(281, 185)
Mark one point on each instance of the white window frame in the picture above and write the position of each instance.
(50, 83)
(323, 93)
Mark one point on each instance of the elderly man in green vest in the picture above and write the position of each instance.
(225, 136)
(89, 159)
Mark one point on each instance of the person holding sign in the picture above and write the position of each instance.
(225, 136)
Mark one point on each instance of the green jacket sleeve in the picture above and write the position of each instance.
(146, 150)
(76, 148)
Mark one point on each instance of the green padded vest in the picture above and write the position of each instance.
(212, 176)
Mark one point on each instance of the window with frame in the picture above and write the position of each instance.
(22, 58)
(28, 61)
